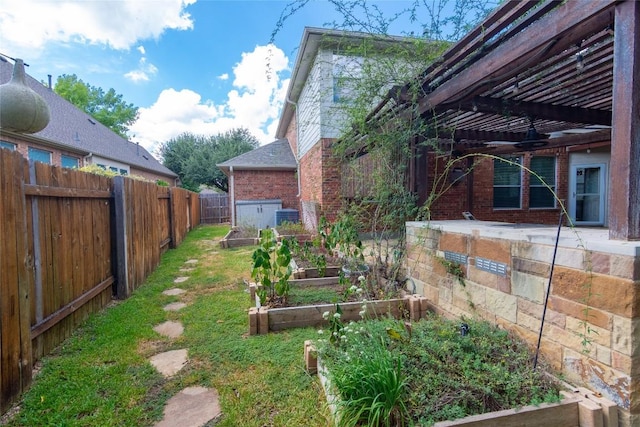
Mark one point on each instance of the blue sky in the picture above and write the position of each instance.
(189, 65)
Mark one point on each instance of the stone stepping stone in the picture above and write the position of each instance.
(174, 306)
(181, 279)
(192, 407)
(170, 329)
(174, 291)
(169, 363)
(186, 270)
(191, 261)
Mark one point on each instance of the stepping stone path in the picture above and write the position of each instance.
(174, 306)
(193, 406)
(174, 291)
(170, 362)
(170, 329)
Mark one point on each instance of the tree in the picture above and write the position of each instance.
(194, 157)
(106, 107)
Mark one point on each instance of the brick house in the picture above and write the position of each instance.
(261, 182)
(74, 139)
(312, 117)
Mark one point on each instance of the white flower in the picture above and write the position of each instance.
(358, 290)
(335, 334)
(325, 315)
(343, 337)
(336, 315)
(361, 278)
(353, 288)
(362, 313)
(320, 331)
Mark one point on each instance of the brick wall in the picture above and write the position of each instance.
(261, 185)
(475, 192)
(592, 326)
(320, 180)
(292, 135)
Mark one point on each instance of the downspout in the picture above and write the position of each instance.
(85, 159)
(295, 105)
(232, 194)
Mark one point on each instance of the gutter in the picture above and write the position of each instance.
(232, 197)
(297, 153)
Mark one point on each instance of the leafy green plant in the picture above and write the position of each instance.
(454, 268)
(271, 267)
(428, 371)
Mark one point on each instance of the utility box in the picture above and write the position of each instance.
(257, 213)
(286, 215)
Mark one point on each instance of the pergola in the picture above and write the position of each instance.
(569, 70)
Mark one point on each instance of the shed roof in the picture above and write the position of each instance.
(74, 130)
(276, 155)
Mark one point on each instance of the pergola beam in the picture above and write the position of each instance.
(537, 110)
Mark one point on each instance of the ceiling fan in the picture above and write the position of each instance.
(532, 138)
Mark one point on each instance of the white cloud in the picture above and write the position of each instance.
(224, 76)
(143, 73)
(30, 24)
(254, 103)
(141, 50)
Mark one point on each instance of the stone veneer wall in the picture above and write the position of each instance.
(607, 277)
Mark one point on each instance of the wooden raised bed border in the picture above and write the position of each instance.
(228, 242)
(263, 320)
(578, 407)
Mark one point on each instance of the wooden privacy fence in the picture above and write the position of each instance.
(214, 208)
(69, 242)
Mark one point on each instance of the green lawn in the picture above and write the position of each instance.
(101, 376)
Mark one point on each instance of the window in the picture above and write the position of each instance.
(38, 155)
(113, 169)
(347, 71)
(507, 182)
(101, 166)
(70, 162)
(539, 195)
(8, 145)
(124, 172)
(343, 89)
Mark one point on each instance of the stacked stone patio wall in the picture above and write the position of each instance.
(592, 325)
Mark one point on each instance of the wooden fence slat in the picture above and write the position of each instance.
(66, 310)
(120, 226)
(45, 190)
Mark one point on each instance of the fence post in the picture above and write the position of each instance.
(172, 220)
(121, 263)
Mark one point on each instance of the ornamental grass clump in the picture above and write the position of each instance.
(394, 373)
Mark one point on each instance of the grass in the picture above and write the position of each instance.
(101, 376)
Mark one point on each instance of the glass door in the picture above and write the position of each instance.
(588, 194)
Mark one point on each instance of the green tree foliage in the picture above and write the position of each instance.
(106, 107)
(194, 157)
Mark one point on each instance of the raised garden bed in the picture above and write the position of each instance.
(288, 232)
(263, 320)
(239, 236)
(577, 407)
(306, 270)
